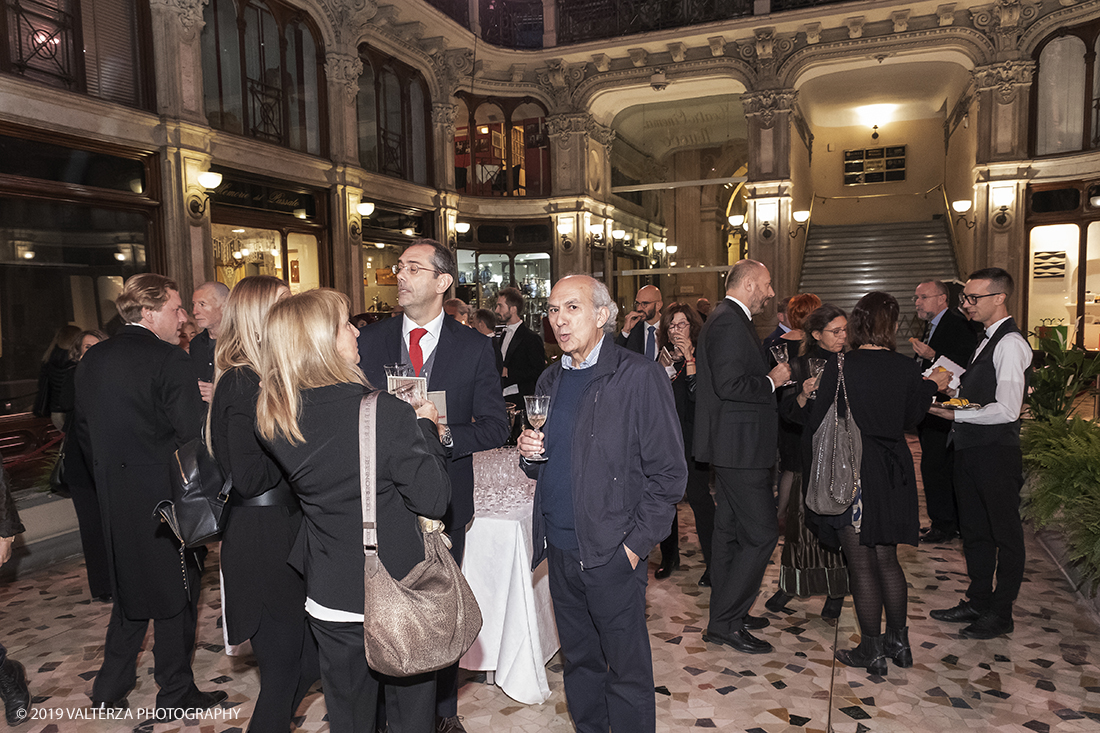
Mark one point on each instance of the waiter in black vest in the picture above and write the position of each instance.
(988, 461)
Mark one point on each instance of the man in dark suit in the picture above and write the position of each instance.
(208, 303)
(136, 402)
(947, 334)
(457, 360)
(781, 327)
(736, 431)
(519, 352)
(640, 328)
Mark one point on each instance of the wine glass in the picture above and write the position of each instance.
(779, 353)
(537, 408)
(817, 366)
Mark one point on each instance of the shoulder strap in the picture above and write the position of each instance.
(367, 474)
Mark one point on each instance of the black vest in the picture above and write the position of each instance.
(979, 384)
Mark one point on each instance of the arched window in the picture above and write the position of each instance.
(501, 147)
(262, 74)
(394, 117)
(1066, 94)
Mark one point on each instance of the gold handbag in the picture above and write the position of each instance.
(428, 619)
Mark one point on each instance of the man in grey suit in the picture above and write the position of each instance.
(736, 431)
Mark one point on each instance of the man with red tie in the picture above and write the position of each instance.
(458, 361)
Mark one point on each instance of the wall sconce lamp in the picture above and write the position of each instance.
(671, 249)
(618, 235)
(874, 132)
(659, 246)
(800, 218)
(461, 227)
(736, 220)
(196, 203)
(1003, 197)
(595, 235)
(960, 207)
(364, 209)
(565, 228)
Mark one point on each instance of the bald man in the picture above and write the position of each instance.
(640, 329)
(207, 304)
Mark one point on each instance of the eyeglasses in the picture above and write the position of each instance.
(965, 299)
(644, 302)
(678, 325)
(412, 267)
(836, 331)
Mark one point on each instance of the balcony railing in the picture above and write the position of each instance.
(587, 20)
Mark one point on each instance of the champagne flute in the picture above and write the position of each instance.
(779, 353)
(817, 367)
(537, 408)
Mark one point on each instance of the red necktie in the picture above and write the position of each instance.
(415, 353)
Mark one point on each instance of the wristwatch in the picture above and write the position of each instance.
(446, 439)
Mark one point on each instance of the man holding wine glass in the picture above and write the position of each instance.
(605, 497)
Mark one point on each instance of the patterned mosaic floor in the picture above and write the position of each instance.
(1045, 677)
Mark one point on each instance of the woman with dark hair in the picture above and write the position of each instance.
(308, 418)
(264, 597)
(807, 568)
(886, 395)
(678, 334)
(52, 400)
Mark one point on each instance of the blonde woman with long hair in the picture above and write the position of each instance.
(308, 418)
(264, 597)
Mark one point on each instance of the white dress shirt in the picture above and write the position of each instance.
(1011, 358)
(428, 340)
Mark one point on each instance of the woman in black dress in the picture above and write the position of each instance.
(264, 597)
(308, 417)
(807, 568)
(678, 333)
(886, 395)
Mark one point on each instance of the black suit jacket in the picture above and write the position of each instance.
(635, 340)
(201, 349)
(136, 402)
(955, 337)
(525, 360)
(465, 369)
(410, 480)
(736, 419)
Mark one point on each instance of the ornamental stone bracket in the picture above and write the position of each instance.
(189, 13)
(766, 50)
(1004, 21)
(763, 106)
(349, 17)
(560, 80)
(344, 71)
(1006, 79)
(563, 127)
(451, 67)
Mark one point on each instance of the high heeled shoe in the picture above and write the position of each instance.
(867, 655)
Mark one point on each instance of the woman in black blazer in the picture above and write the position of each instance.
(264, 597)
(308, 417)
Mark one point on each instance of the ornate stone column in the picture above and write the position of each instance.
(769, 119)
(177, 57)
(1003, 90)
(342, 70)
(443, 138)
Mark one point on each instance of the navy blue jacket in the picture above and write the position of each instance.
(628, 457)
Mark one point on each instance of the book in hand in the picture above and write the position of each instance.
(413, 390)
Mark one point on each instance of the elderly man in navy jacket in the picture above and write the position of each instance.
(606, 494)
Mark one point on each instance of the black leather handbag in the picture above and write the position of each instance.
(199, 507)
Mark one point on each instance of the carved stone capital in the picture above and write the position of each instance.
(767, 49)
(344, 70)
(765, 105)
(451, 66)
(560, 80)
(561, 128)
(189, 13)
(444, 117)
(1004, 20)
(600, 134)
(349, 17)
(1005, 79)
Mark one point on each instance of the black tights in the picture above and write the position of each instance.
(877, 581)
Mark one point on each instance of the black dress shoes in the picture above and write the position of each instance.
(962, 613)
(14, 691)
(778, 602)
(989, 626)
(666, 568)
(938, 536)
(450, 725)
(122, 704)
(755, 622)
(704, 579)
(740, 640)
(832, 608)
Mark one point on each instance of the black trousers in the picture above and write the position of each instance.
(988, 480)
(352, 687)
(446, 689)
(746, 531)
(287, 657)
(86, 505)
(937, 472)
(173, 646)
(600, 615)
(702, 506)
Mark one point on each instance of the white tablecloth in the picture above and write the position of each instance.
(518, 636)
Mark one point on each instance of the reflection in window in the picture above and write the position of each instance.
(60, 264)
(272, 88)
(1061, 96)
(394, 114)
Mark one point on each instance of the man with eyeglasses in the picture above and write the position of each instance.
(947, 333)
(988, 464)
(459, 361)
(640, 329)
